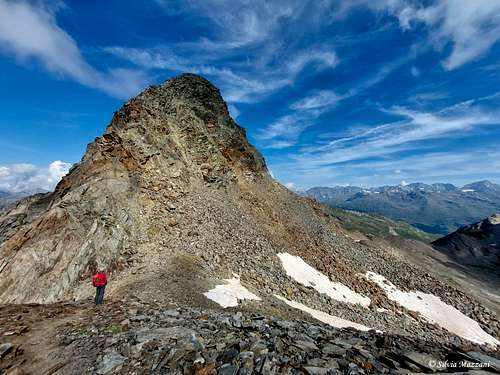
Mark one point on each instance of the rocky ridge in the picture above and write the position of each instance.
(172, 199)
(475, 247)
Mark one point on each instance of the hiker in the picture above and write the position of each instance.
(99, 280)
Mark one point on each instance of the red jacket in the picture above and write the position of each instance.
(99, 279)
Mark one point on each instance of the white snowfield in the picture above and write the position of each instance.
(435, 311)
(332, 320)
(227, 295)
(306, 275)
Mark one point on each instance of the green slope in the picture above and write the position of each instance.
(377, 226)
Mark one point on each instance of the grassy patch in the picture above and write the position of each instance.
(113, 329)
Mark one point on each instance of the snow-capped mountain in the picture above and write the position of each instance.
(435, 208)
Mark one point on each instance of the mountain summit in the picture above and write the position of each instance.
(180, 127)
(175, 204)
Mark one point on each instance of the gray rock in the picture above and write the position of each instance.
(163, 334)
(228, 356)
(173, 313)
(5, 349)
(228, 369)
(483, 358)
(422, 360)
(305, 345)
(245, 359)
(110, 362)
(316, 370)
(335, 350)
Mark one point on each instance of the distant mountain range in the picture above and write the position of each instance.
(7, 198)
(437, 208)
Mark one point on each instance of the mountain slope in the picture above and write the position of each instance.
(180, 209)
(437, 208)
(475, 246)
(377, 226)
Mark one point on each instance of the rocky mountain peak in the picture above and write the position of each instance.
(171, 142)
(192, 89)
(181, 129)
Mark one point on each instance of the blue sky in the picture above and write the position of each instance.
(360, 92)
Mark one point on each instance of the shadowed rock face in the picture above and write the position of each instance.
(172, 135)
(475, 246)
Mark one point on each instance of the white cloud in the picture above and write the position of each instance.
(415, 72)
(162, 58)
(405, 134)
(320, 99)
(287, 126)
(233, 111)
(285, 131)
(471, 27)
(379, 75)
(279, 144)
(423, 97)
(239, 83)
(245, 54)
(28, 177)
(57, 170)
(30, 32)
(244, 87)
(323, 59)
(355, 157)
(241, 23)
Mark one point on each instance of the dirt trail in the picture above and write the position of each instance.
(32, 333)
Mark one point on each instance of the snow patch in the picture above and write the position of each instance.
(332, 320)
(467, 190)
(306, 275)
(227, 295)
(435, 311)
